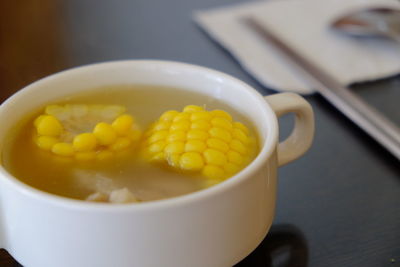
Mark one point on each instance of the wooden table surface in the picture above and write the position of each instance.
(339, 205)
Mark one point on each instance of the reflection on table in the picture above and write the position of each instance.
(284, 246)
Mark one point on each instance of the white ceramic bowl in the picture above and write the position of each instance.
(218, 226)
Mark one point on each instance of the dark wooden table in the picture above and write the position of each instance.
(339, 205)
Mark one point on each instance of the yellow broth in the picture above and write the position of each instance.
(69, 178)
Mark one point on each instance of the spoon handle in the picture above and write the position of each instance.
(365, 116)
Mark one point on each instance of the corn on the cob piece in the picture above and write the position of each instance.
(85, 132)
(198, 140)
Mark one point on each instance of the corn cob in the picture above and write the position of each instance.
(85, 132)
(198, 140)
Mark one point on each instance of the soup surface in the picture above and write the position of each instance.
(79, 179)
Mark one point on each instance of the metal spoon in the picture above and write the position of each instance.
(384, 22)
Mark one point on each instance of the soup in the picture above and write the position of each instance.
(134, 170)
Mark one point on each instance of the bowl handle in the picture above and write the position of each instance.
(299, 141)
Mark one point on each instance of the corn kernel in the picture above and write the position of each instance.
(213, 172)
(50, 126)
(105, 133)
(157, 147)
(221, 114)
(181, 117)
(84, 142)
(240, 135)
(191, 161)
(201, 115)
(123, 124)
(181, 125)
(169, 115)
(195, 146)
(214, 157)
(197, 135)
(157, 136)
(175, 148)
(220, 133)
(192, 108)
(63, 149)
(217, 144)
(241, 126)
(46, 142)
(235, 157)
(104, 155)
(84, 156)
(162, 125)
(237, 146)
(38, 120)
(173, 160)
(176, 136)
(221, 123)
(200, 125)
(121, 143)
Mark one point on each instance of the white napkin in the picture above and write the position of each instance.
(304, 25)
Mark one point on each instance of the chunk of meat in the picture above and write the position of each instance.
(122, 196)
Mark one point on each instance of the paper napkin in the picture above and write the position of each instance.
(304, 25)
